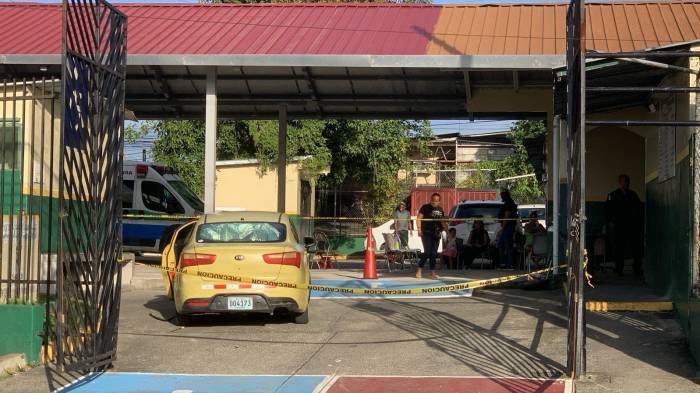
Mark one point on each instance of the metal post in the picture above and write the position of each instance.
(580, 304)
(555, 193)
(282, 159)
(210, 142)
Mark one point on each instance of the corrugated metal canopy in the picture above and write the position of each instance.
(255, 92)
(379, 60)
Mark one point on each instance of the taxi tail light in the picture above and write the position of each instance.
(283, 258)
(194, 259)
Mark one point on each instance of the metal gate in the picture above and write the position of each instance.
(89, 279)
(576, 140)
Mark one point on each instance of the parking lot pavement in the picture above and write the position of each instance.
(460, 337)
(497, 333)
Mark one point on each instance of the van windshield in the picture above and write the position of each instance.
(190, 197)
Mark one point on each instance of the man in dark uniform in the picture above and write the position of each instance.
(430, 224)
(623, 211)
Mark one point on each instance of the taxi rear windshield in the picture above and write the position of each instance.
(242, 232)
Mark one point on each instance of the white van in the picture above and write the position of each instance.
(151, 189)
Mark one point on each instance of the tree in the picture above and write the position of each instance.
(523, 190)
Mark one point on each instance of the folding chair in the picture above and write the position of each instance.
(410, 255)
(392, 250)
(324, 254)
(538, 251)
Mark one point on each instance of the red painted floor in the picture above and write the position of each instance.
(443, 385)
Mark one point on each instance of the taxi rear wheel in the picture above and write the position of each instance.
(302, 318)
(183, 319)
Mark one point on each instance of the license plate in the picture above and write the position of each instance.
(240, 303)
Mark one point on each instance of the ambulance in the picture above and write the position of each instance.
(155, 200)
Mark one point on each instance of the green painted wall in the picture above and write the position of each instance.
(667, 266)
(20, 329)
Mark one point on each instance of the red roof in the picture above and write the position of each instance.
(363, 28)
(345, 29)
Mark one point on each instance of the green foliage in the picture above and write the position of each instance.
(369, 155)
(524, 190)
(134, 131)
(360, 154)
(481, 177)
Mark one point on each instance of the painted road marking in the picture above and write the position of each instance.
(399, 384)
(169, 383)
(116, 382)
(385, 284)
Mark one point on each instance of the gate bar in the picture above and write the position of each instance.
(643, 123)
(608, 55)
(636, 89)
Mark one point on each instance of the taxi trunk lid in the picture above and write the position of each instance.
(245, 260)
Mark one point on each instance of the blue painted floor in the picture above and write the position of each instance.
(388, 284)
(183, 383)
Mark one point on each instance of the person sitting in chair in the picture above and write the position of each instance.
(477, 243)
(532, 228)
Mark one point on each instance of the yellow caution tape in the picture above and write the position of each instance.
(179, 217)
(366, 291)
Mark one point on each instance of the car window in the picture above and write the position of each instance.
(158, 198)
(242, 232)
(525, 212)
(189, 196)
(127, 194)
(477, 211)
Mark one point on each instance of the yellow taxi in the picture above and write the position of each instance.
(203, 258)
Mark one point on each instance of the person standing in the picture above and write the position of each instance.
(508, 215)
(402, 223)
(430, 224)
(623, 212)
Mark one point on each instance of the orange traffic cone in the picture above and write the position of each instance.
(370, 258)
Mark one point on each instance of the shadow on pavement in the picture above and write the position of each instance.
(165, 311)
(639, 335)
(484, 350)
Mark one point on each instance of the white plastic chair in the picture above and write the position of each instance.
(538, 251)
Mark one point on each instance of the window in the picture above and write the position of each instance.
(477, 211)
(127, 194)
(190, 197)
(10, 139)
(158, 198)
(242, 232)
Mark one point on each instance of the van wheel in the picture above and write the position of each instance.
(183, 319)
(303, 318)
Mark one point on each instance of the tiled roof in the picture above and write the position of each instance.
(370, 29)
(522, 29)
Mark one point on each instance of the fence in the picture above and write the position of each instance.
(29, 124)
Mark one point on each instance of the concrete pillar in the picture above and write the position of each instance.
(282, 159)
(210, 142)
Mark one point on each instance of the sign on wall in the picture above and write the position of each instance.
(667, 141)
